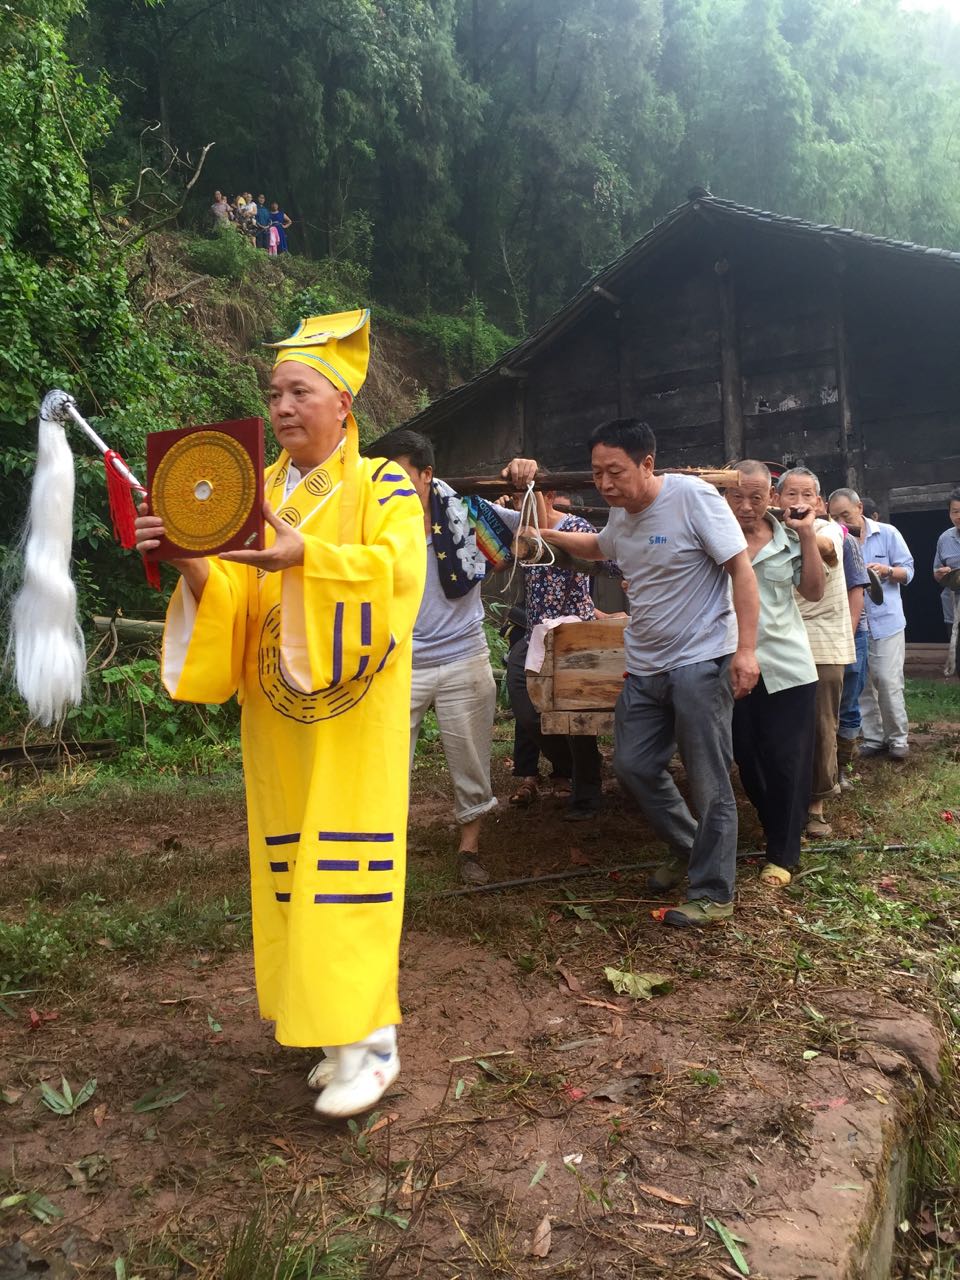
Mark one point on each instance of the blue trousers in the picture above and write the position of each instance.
(689, 710)
(854, 678)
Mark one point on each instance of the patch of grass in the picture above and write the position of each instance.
(933, 700)
(48, 945)
(152, 796)
(273, 1243)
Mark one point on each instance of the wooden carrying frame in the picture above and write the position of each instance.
(206, 484)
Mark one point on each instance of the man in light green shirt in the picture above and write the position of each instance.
(774, 725)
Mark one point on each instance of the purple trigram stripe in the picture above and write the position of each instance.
(382, 467)
(352, 897)
(397, 493)
(378, 837)
(391, 476)
(383, 864)
(282, 897)
(337, 864)
(390, 648)
(362, 664)
(337, 644)
(279, 866)
(290, 839)
(365, 624)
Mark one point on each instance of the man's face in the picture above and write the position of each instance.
(421, 480)
(799, 491)
(619, 480)
(955, 514)
(306, 412)
(849, 513)
(749, 500)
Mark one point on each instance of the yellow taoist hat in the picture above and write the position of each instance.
(337, 346)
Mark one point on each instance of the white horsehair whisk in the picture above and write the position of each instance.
(46, 640)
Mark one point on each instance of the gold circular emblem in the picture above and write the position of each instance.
(307, 708)
(204, 490)
(317, 483)
(290, 516)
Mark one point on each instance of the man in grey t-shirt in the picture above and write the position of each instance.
(690, 651)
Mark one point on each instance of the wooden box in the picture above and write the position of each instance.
(581, 677)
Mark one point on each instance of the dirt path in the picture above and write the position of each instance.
(751, 1094)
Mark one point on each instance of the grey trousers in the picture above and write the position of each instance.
(689, 709)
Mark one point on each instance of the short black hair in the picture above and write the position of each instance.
(634, 437)
(869, 506)
(954, 497)
(403, 443)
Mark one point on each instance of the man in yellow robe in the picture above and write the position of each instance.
(314, 635)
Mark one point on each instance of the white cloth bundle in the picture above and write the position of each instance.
(46, 640)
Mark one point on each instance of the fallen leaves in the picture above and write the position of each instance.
(668, 1196)
(39, 1206)
(642, 986)
(671, 1228)
(541, 1238)
(85, 1173)
(36, 1020)
(730, 1243)
(573, 982)
(616, 1090)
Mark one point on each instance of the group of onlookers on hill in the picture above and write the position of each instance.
(264, 224)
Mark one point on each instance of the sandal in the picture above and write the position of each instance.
(817, 827)
(774, 876)
(525, 793)
(472, 871)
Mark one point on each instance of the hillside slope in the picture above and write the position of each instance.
(236, 298)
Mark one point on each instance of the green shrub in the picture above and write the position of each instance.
(227, 254)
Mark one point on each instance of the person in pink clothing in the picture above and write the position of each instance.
(273, 239)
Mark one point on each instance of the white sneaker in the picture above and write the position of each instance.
(364, 1072)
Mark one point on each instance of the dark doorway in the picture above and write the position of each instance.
(921, 600)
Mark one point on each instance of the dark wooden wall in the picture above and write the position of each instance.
(735, 341)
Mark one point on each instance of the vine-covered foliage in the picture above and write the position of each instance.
(66, 300)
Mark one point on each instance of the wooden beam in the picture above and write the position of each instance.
(731, 393)
(851, 455)
(572, 481)
(128, 628)
(576, 722)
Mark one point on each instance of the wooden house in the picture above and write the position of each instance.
(739, 333)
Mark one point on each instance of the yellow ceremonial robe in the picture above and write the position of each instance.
(319, 658)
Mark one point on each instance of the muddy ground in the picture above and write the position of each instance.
(543, 1125)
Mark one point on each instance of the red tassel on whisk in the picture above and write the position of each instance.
(121, 500)
(123, 511)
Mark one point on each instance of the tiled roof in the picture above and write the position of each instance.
(699, 205)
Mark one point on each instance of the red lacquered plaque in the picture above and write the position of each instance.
(206, 485)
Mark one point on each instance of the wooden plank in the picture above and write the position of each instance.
(849, 437)
(576, 722)
(582, 667)
(921, 497)
(540, 683)
(787, 362)
(588, 662)
(731, 391)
